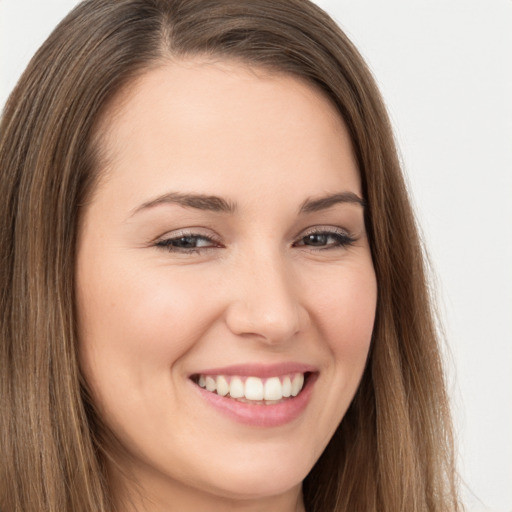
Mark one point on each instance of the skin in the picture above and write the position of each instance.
(255, 291)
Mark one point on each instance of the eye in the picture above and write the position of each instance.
(187, 242)
(325, 239)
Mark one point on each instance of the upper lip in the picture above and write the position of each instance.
(260, 370)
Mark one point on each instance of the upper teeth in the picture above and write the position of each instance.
(253, 388)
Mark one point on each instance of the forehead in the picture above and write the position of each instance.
(196, 120)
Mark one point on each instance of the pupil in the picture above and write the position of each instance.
(186, 242)
(316, 239)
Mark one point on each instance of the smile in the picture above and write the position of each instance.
(251, 389)
(257, 395)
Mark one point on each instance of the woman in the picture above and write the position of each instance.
(213, 289)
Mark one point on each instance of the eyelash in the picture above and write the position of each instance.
(169, 244)
(341, 240)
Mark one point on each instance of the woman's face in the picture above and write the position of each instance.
(224, 253)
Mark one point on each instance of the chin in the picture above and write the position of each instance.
(260, 477)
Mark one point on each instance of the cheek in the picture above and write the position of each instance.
(346, 313)
(136, 326)
(139, 312)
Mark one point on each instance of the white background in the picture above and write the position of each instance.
(445, 70)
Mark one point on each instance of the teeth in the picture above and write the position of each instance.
(272, 390)
(253, 388)
(287, 386)
(211, 384)
(222, 386)
(236, 388)
(297, 383)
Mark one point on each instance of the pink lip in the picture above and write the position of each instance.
(260, 370)
(260, 415)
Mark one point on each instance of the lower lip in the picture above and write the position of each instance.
(259, 415)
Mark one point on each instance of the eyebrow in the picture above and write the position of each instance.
(198, 201)
(323, 203)
(220, 205)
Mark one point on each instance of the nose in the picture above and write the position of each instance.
(265, 303)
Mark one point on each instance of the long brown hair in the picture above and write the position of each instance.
(393, 451)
